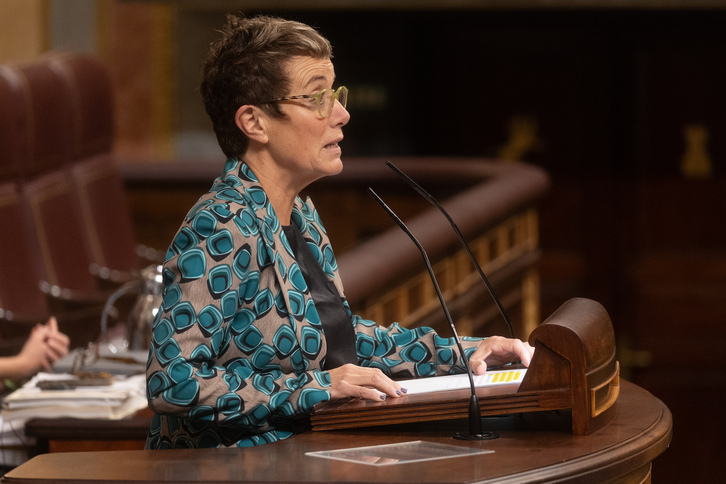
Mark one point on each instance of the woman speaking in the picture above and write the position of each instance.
(254, 328)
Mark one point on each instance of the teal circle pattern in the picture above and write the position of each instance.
(192, 265)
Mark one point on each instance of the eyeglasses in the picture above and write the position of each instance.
(325, 99)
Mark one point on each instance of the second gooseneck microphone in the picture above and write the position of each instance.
(475, 430)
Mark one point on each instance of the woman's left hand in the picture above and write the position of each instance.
(497, 350)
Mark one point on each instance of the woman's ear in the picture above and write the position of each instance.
(252, 122)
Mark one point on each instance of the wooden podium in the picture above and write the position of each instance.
(574, 369)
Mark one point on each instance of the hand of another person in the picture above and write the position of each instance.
(356, 381)
(57, 342)
(497, 350)
(45, 346)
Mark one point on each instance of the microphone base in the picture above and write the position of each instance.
(476, 436)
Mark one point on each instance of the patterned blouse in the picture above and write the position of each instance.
(237, 346)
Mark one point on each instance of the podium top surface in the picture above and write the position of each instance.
(640, 430)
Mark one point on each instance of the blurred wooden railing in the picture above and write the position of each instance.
(506, 245)
(495, 209)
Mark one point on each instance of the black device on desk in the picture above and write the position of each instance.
(72, 383)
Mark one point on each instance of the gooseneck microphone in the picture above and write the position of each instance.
(436, 204)
(475, 431)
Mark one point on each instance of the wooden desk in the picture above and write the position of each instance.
(621, 451)
(81, 435)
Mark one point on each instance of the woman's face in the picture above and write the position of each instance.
(304, 144)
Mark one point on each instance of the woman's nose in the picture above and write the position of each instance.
(340, 115)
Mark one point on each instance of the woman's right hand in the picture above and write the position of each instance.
(368, 383)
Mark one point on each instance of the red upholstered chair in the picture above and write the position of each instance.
(101, 194)
(58, 234)
(19, 289)
(48, 110)
(58, 240)
(12, 124)
(88, 84)
(22, 304)
(106, 218)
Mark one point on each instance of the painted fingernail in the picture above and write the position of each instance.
(383, 396)
(404, 390)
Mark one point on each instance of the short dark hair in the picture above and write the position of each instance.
(247, 66)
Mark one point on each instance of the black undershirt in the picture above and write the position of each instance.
(337, 326)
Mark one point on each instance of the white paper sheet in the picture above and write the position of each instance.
(456, 382)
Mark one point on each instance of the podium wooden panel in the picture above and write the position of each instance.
(621, 451)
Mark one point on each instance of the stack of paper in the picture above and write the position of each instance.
(123, 397)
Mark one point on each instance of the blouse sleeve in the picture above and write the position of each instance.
(409, 353)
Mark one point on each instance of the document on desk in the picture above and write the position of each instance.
(461, 381)
(123, 397)
(402, 453)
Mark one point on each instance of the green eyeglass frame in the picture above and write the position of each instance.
(324, 99)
